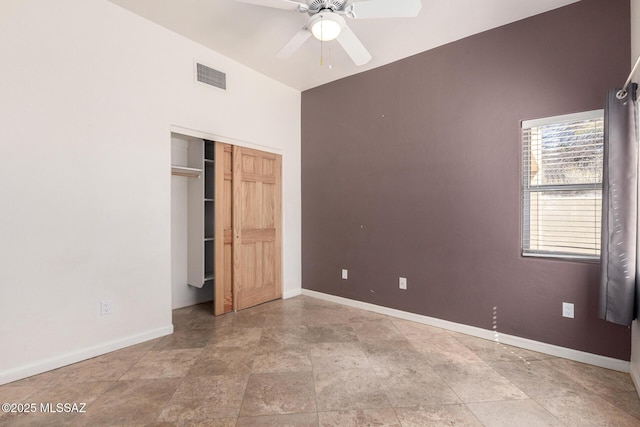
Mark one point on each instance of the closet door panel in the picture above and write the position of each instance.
(256, 226)
(223, 300)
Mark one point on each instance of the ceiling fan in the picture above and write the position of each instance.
(326, 21)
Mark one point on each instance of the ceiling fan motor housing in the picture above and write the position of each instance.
(317, 6)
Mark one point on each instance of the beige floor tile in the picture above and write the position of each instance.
(337, 356)
(288, 305)
(279, 393)
(219, 422)
(380, 330)
(223, 360)
(417, 386)
(129, 402)
(379, 417)
(17, 393)
(478, 382)
(108, 367)
(287, 420)
(163, 364)
(330, 333)
(283, 320)
(418, 331)
(309, 362)
(199, 409)
(144, 346)
(267, 360)
(494, 351)
(349, 389)
(190, 338)
(202, 397)
(595, 379)
(537, 379)
(509, 413)
(153, 424)
(47, 399)
(390, 354)
(198, 317)
(225, 389)
(283, 337)
(38, 419)
(627, 401)
(44, 379)
(442, 348)
(72, 393)
(235, 337)
(355, 315)
(247, 319)
(437, 416)
(587, 411)
(323, 316)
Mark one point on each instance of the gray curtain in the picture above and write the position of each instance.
(619, 278)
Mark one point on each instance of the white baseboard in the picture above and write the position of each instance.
(80, 355)
(291, 293)
(635, 376)
(540, 347)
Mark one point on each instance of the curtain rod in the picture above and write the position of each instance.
(622, 93)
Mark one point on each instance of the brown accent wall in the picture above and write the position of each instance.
(413, 170)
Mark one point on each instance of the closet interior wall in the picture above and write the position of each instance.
(184, 187)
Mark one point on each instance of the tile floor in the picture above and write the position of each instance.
(307, 362)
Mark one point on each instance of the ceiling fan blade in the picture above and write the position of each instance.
(384, 9)
(354, 48)
(278, 4)
(294, 44)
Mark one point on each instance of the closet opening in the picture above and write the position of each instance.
(226, 224)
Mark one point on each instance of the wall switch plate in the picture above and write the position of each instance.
(402, 283)
(345, 274)
(105, 307)
(567, 309)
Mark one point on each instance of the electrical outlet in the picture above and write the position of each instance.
(402, 283)
(105, 307)
(567, 310)
(345, 274)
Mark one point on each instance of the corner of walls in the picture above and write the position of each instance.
(635, 327)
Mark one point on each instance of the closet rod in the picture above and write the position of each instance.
(622, 93)
(185, 171)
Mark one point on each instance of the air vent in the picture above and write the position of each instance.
(211, 77)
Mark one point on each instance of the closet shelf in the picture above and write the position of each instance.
(208, 276)
(209, 200)
(185, 171)
(208, 239)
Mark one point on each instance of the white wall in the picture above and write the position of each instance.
(635, 328)
(89, 93)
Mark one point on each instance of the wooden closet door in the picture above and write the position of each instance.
(223, 293)
(256, 227)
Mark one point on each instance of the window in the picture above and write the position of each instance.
(562, 185)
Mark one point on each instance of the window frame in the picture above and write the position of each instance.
(525, 191)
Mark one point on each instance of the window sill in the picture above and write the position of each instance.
(566, 258)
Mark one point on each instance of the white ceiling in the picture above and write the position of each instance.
(253, 35)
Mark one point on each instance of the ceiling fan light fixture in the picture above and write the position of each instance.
(326, 26)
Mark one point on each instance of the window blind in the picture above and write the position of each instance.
(562, 185)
